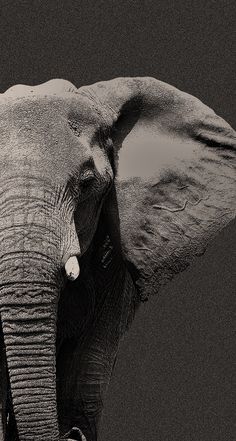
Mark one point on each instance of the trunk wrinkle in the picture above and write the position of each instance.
(30, 334)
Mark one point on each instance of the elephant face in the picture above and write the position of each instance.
(56, 174)
(150, 164)
(56, 145)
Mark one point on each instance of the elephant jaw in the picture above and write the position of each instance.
(72, 268)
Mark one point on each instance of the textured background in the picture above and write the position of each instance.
(175, 376)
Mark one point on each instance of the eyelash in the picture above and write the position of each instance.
(87, 179)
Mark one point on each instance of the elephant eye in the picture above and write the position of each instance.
(87, 178)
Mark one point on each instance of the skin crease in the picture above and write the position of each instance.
(78, 253)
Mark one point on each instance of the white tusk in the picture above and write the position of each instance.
(72, 268)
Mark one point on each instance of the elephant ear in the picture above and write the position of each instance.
(175, 174)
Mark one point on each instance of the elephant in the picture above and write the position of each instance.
(107, 191)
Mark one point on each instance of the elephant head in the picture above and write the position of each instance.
(131, 165)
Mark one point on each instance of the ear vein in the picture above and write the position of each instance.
(173, 210)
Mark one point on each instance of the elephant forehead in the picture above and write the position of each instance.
(38, 110)
(48, 132)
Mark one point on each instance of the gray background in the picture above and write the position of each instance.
(175, 374)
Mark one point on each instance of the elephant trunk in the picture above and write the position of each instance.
(28, 314)
(37, 237)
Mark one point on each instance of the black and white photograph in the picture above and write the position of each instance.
(117, 220)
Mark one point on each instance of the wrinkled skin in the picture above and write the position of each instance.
(64, 199)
